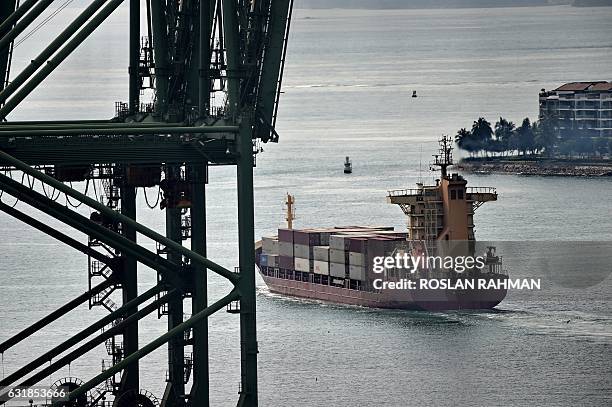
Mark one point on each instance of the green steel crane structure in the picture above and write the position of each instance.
(193, 51)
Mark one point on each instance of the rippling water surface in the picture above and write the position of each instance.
(348, 83)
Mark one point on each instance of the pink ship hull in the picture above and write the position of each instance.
(434, 300)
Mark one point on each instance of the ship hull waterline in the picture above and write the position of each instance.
(426, 300)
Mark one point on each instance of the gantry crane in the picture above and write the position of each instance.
(215, 70)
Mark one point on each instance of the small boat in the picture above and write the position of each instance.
(348, 166)
(414, 93)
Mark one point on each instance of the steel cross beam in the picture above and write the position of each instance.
(75, 244)
(58, 313)
(48, 51)
(4, 157)
(8, 15)
(148, 149)
(98, 340)
(37, 10)
(70, 342)
(13, 17)
(91, 228)
(61, 55)
(117, 131)
(34, 126)
(145, 350)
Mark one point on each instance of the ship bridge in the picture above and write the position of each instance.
(411, 196)
(444, 211)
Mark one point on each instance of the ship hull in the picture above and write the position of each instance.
(431, 300)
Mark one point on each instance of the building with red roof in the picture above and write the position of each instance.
(583, 108)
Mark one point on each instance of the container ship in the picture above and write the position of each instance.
(338, 264)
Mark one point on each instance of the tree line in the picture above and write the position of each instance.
(530, 138)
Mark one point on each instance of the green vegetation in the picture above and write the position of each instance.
(540, 138)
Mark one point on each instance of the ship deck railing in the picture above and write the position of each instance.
(481, 190)
(427, 191)
(404, 192)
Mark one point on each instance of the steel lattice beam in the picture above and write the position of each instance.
(197, 46)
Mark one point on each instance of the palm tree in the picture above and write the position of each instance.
(465, 141)
(523, 138)
(482, 133)
(547, 132)
(503, 133)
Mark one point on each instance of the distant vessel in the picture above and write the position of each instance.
(336, 264)
(348, 166)
(414, 93)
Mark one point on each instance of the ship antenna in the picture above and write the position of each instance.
(290, 215)
(444, 158)
(421, 163)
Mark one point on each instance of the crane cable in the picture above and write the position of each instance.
(80, 203)
(43, 22)
(95, 190)
(53, 197)
(2, 191)
(144, 190)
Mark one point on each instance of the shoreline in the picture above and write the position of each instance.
(538, 167)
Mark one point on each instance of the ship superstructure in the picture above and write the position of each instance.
(338, 264)
(444, 211)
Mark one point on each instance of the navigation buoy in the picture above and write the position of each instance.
(348, 166)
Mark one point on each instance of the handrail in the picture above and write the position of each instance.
(404, 192)
(422, 191)
(481, 190)
(411, 191)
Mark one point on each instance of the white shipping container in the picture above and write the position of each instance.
(356, 259)
(302, 265)
(337, 270)
(321, 253)
(337, 256)
(357, 273)
(321, 267)
(269, 245)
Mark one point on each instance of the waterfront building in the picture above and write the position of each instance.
(584, 109)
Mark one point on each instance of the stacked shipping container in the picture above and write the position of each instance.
(340, 253)
(285, 249)
(269, 252)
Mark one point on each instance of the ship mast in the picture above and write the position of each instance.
(445, 157)
(290, 215)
